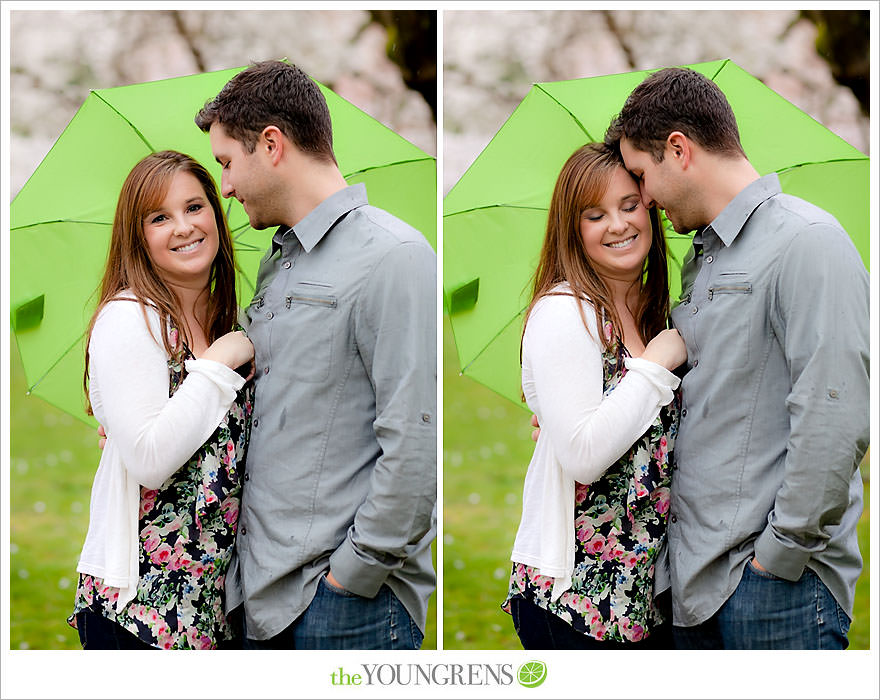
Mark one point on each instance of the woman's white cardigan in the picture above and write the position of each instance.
(583, 432)
(149, 435)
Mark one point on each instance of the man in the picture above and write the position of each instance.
(337, 520)
(774, 312)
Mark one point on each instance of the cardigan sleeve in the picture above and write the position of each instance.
(588, 431)
(155, 435)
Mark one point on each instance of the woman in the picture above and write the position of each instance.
(596, 494)
(160, 377)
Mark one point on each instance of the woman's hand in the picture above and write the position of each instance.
(667, 349)
(233, 350)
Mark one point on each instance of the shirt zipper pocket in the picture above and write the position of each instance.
(744, 288)
(329, 302)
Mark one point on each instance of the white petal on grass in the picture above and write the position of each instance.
(65, 456)
(486, 452)
(500, 573)
(21, 466)
(40, 507)
(23, 573)
(64, 583)
(459, 636)
(484, 413)
(51, 459)
(456, 459)
(474, 498)
(76, 507)
(50, 420)
(448, 539)
(511, 498)
(500, 448)
(459, 564)
(24, 645)
(13, 548)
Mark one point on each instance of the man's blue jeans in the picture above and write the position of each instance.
(337, 619)
(767, 612)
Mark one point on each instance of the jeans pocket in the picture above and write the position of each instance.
(763, 573)
(337, 590)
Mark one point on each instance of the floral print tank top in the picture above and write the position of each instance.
(187, 532)
(620, 527)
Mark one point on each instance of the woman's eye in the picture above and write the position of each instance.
(194, 208)
(593, 217)
(632, 207)
(157, 219)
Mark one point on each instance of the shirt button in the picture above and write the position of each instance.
(696, 362)
(286, 264)
(684, 412)
(693, 310)
(256, 422)
(266, 370)
(709, 259)
(674, 519)
(243, 530)
(247, 477)
(270, 315)
(832, 394)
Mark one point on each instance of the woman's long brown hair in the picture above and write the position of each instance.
(129, 266)
(581, 184)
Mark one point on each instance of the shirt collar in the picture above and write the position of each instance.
(734, 216)
(318, 222)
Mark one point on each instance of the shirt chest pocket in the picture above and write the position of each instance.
(726, 326)
(310, 317)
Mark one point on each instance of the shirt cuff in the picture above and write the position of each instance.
(661, 378)
(354, 573)
(779, 558)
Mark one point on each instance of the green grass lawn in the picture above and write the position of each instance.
(486, 450)
(53, 458)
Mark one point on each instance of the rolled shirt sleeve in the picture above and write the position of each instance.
(820, 314)
(396, 335)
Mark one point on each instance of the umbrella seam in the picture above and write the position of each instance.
(126, 120)
(491, 340)
(576, 120)
(53, 365)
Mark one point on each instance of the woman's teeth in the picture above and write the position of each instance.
(187, 248)
(622, 244)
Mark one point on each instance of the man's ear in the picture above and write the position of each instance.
(271, 142)
(679, 149)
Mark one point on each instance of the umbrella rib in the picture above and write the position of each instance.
(822, 162)
(491, 340)
(388, 165)
(570, 113)
(496, 206)
(59, 221)
(126, 120)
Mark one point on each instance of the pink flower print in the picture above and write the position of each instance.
(662, 504)
(608, 328)
(641, 491)
(596, 545)
(231, 516)
(161, 555)
(580, 492)
(210, 496)
(152, 541)
(230, 447)
(172, 337)
(631, 560)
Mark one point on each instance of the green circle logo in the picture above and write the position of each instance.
(532, 673)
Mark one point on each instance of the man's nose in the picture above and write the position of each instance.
(225, 188)
(647, 201)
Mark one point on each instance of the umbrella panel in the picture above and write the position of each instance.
(64, 212)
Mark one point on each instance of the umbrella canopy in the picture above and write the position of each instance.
(61, 218)
(494, 218)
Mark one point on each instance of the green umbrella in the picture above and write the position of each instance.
(495, 216)
(61, 218)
